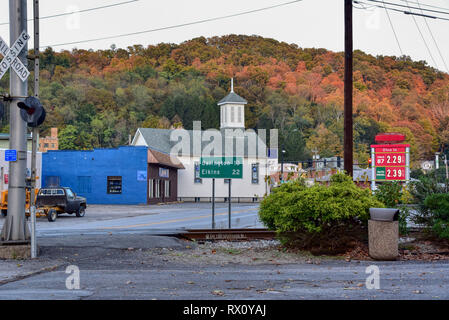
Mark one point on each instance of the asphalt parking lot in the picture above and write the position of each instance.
(102, 219)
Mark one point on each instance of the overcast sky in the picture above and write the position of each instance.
(309, 23)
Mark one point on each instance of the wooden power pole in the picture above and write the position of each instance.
(348, 136)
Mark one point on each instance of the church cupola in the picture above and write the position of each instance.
(232, 112)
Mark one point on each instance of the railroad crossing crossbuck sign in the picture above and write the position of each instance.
(10, 57)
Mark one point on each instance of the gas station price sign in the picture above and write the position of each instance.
(390, 173)
(391, 162)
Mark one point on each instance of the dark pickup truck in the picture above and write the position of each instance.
(57, 200)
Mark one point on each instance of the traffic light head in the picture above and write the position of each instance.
(32, 111)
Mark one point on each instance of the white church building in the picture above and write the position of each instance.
(188, 146)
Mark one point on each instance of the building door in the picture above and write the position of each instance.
(166, 191)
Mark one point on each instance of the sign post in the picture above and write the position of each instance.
(229, 205)
(15, 229)
(221, 168)
(213, 203)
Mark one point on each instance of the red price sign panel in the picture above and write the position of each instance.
(390, 162)
(389, 159)
(389, 149)
(390, 173)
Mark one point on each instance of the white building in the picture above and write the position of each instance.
(188, 146)
(4, 169)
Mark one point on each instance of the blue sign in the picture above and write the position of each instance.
(272, 153)
(10, 155)
(141, 176)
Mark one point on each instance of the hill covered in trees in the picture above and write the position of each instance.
(99, 98)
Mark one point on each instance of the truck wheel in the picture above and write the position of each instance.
(4, 212)
(81, 212)
(52, 215)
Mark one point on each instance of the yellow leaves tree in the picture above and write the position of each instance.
(325, 142)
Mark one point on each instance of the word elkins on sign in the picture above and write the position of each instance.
(11, 59)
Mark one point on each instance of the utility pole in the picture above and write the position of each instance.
(35, 132)
(348, 133)
(15, 230)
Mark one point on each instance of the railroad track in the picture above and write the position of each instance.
(228, 234)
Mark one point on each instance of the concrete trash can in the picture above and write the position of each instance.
(383, 233)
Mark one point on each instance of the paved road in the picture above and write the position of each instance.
(108, 270)
(158, 219)
(119, 257)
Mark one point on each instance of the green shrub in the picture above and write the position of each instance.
(420, 190)
(394, 195)
(318, 213)
(438, 205)
(279, 198)
(389, 193)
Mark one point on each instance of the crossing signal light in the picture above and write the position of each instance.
(32, 112)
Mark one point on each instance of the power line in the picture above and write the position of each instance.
(389, 19)
(406, 6)
(427, 5)
(400, 10)
(423, 39)
(394, 32)
(175, 26)
(434, 41)
(78, 11)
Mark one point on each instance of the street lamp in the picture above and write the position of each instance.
(282, 163)
(437, 164)
(447, 173)
(283, 151)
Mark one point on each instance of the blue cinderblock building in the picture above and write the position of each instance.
(103, 176)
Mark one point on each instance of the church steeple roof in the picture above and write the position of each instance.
(232, 98)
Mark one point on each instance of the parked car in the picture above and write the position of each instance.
(57, 200)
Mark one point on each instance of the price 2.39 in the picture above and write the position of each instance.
(395, 173)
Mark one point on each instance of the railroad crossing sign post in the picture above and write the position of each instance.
(15, 229)
(11, 57)
(221, 168)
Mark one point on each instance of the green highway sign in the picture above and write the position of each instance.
(221, 167)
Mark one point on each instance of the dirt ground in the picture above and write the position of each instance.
(235, 252)
(414, 247)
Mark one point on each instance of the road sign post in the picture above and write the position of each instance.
(229, 205)
(15, 230)
(221, 168)
(213, 203)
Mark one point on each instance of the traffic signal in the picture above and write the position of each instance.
(32, 111)
(370, 162)
(338, 161)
